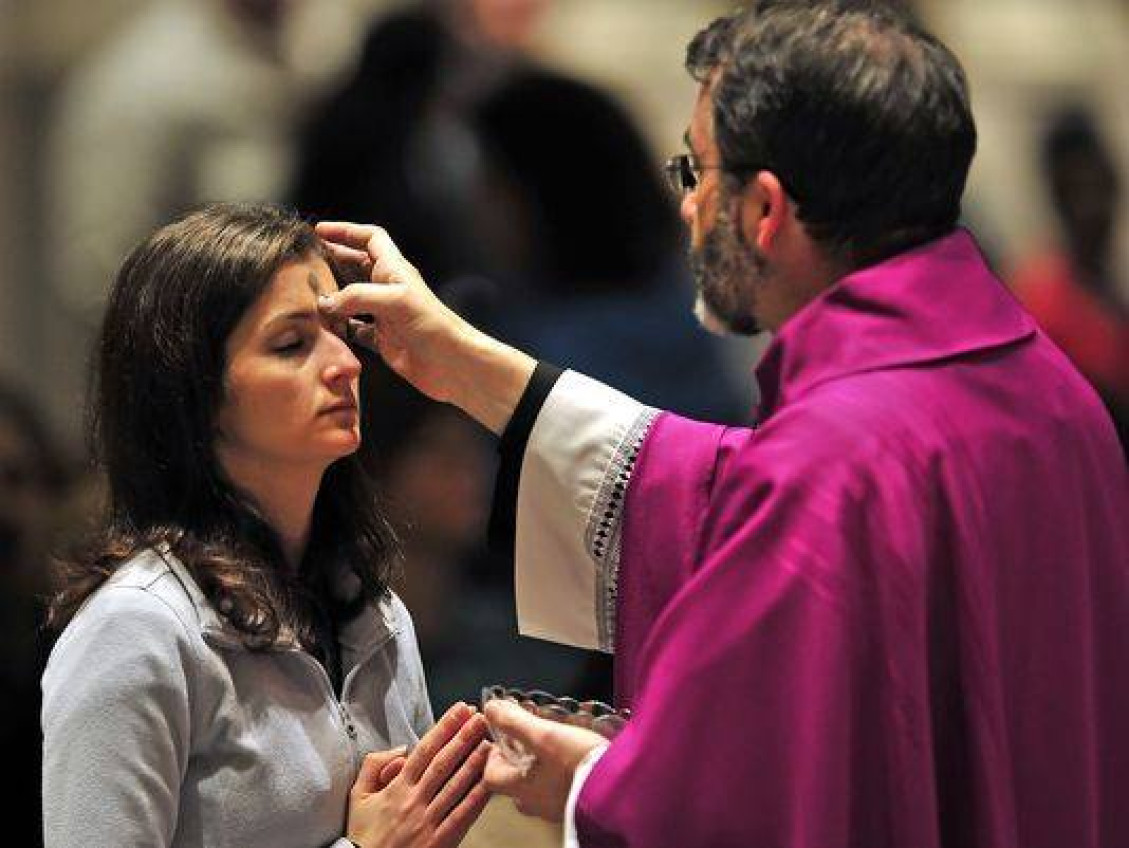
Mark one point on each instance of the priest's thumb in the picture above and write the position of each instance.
(509, 719)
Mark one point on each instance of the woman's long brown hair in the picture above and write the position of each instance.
(158, 385)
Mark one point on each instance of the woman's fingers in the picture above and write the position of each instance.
(434, 740)
(370, 777)
(446, 766)
(447, 761)
(453, 828)
(468, 776)
(390, 771)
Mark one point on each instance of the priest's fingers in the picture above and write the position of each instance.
(446, 763)
(355, 242)
(503, 775)
(359, 299)
(511, 720)
(433, 741)
(349, 256)
(345, 233)
(540, 786)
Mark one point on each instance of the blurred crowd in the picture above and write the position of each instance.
(531, 201)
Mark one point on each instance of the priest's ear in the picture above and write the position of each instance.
(765, 210)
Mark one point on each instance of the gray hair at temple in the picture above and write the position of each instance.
(863, 116)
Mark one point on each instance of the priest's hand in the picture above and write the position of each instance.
(420, 338)
(542, 788)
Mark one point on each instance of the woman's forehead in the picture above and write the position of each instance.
(294, 289)
(301, 282)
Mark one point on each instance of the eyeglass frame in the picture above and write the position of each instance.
(683, 173)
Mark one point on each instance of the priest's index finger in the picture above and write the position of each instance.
(346, 233)
(383, 249)
(344, 255)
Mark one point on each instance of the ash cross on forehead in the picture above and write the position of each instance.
(315, 284)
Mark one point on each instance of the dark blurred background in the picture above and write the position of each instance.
(513, 148)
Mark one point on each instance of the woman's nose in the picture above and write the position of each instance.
(342, 363)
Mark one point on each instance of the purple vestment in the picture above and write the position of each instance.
(895, 614)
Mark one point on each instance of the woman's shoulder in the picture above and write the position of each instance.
(141, 622)
(150, 591)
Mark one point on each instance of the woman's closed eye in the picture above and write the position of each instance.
(290, 345)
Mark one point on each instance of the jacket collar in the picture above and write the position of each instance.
(363, 633)
(939, 301)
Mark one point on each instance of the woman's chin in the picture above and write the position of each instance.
(340, 444)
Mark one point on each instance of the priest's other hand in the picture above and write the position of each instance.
(419, 336)
(540, 789)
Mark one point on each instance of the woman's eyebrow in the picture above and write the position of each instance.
(296, 315)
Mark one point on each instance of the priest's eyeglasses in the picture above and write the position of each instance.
(683, 173)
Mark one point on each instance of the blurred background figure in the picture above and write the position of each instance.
(597, 250)
(191, 101)
(32, 481)
(1071, 285)
(393, 144)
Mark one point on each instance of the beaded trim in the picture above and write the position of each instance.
(603, 534)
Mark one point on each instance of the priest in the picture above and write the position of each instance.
(895, 612)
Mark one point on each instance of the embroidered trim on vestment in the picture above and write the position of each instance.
(603, 533)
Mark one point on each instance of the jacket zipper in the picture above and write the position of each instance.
(341, 710)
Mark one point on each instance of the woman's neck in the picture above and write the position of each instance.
(284, 497)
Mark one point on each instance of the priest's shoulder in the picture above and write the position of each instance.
(884, 414)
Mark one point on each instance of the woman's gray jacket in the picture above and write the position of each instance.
(161, 729)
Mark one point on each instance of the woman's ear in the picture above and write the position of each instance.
(764, 209)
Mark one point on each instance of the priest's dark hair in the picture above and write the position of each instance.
(863, 116)
(157, 388)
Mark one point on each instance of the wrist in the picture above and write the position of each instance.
(493, 380)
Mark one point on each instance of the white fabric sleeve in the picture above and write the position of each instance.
(574, 477)
(579, 776)
(116, 724)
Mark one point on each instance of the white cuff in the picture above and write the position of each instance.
(574, 477)
(579, 776)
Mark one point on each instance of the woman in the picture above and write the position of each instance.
(231, 650)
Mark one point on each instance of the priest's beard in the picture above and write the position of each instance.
(726, 273)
